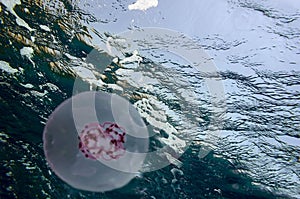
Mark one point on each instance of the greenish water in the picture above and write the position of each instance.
(258, 153)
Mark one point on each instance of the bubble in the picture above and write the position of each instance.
(95, 141)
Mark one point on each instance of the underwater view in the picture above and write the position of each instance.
(150, 99)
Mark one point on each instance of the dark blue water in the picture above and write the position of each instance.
(47, 48)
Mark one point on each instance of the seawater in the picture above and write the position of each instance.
(253, 44)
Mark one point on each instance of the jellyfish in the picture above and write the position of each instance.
(95, 141)
(102, 141)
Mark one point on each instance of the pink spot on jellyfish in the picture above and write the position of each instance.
(95, 141)
(102, 141)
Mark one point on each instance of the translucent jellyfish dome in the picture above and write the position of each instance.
(95, 141)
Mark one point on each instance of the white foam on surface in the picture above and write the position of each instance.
(158, 119)
(46, 28)
(27, 85)
(143, 5)
(39, 94)
(7, 68)
(27, 52)
(10, 4)
(134, 58)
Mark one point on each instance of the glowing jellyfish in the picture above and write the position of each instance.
(95, 141)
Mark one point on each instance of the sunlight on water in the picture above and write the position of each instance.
(47, 47)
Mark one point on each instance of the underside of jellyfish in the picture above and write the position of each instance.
(104, 141)
(95, 141)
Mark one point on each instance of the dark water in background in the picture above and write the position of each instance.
(255, 45)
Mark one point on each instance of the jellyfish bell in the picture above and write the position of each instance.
(95, 141)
